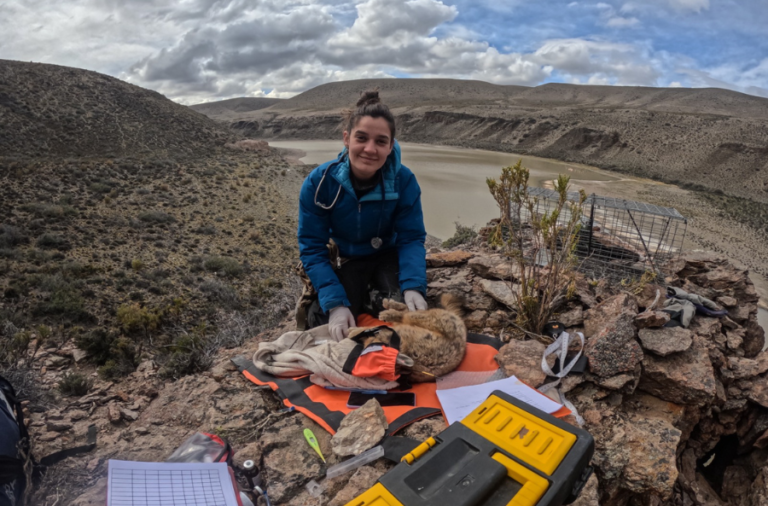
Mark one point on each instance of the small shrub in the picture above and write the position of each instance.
(99, 188)
(189, 354)
(10, 254)
(134, 319)
(156, 217)
(65, 299)
(462, 235)
(137, 265)
(220, 292)
(205, 230)
(226, 265)
(53, 241)
(14, 348)
(11, 237)
(54, 211)
(554, 234)
(74, 383)
(97, 344)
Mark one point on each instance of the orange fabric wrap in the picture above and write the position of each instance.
(379, 363)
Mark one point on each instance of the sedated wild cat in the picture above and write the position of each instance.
(435, 339)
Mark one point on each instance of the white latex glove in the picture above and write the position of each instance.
(339, 322)
(414, 300)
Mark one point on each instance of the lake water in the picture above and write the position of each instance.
(452, 179)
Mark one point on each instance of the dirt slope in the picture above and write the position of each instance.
(708, 138)
(49, 110)
(224, 109)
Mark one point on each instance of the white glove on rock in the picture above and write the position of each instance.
(414, 300)
(339, 322)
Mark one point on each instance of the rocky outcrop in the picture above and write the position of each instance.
(658, 401)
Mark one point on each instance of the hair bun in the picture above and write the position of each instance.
(368, 98)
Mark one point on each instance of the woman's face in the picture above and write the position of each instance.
(369, 145)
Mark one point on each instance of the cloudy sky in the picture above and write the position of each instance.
(201, 50)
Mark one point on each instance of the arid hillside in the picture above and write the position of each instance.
(234, 106)
(49, 110)
(712, 139)
(130, 231)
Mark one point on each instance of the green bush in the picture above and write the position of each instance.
(122, 361)
(11, 237)
(99, 188)
(229, 266)
(97, 344)
(49, 210)
(189, 354)
(156, 217)
(65, 299)
(134, 318)
(462, 235)
(221, 292)
(74, 383)
(53, 241)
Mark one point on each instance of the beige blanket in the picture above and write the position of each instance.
(314, 352)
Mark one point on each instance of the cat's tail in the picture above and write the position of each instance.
(452, 303)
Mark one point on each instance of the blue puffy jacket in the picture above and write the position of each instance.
(352, 223)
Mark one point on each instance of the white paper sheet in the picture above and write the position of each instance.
(169, 484)
(459, 402)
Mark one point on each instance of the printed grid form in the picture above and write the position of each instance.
(150, 487)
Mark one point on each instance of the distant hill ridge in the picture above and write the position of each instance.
(420, 92)
(50, 110)
(705, 138)
(234, 105)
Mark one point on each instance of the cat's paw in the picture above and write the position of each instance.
(393, 304)
(391, 315)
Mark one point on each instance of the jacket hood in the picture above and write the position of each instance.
(389, 170)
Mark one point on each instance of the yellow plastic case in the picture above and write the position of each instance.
(504, 453)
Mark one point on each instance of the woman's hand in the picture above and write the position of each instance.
(339, 322)
(414, 300)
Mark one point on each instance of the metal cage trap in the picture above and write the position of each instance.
(619, 239)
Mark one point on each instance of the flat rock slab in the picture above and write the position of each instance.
(607, 311)
(288, 460)
(500, 291)
(665, 341)
(458, 281)
(360, 430)
(523, 359)
(683, 378)
(614, 350)
(651, 320)
(572, 318)
(758, 393)
(741, 368)
(448, 258)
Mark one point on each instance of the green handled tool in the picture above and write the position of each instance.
(313, 442)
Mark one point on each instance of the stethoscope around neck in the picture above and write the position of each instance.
(376, 242)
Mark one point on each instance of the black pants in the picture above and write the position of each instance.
(367, 282)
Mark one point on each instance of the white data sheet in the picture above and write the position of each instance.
(169, 484)
(459, 402)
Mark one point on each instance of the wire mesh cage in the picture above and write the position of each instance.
(618, 239)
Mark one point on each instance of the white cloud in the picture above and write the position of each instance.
(619, 22)
(689, 5)
(198, 50)
(622, 64)
(750, 79)
(662, 6)
(610, 18)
